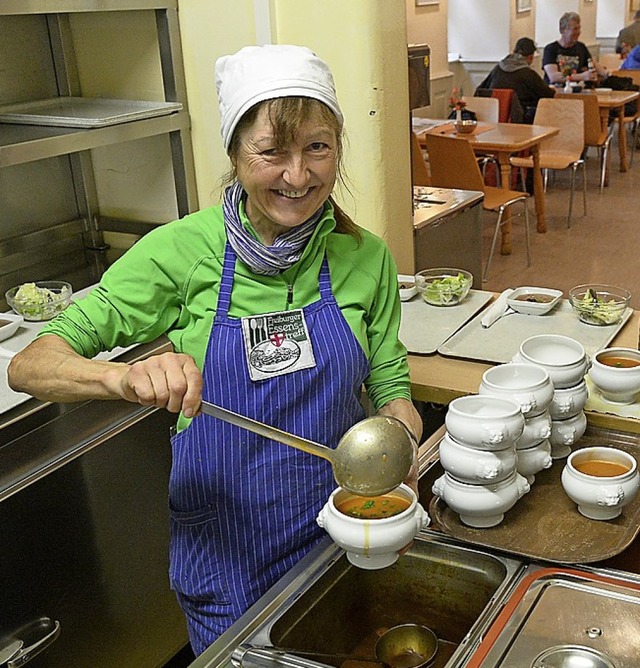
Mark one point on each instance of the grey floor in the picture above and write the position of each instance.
(601, 247)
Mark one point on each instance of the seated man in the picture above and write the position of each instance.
(632, 61)
(567, 58)
(514, 72)
(629, 36)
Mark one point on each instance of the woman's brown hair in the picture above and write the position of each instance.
(287, 114)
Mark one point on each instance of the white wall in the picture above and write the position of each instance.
(365, 44)
(611, 16)
(468, 21)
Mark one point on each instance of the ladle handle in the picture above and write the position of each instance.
(267, 431)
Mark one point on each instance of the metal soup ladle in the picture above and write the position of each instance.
(372, 458)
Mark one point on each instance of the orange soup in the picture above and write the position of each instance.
(373, 507)
(619, 362)
(601, 468)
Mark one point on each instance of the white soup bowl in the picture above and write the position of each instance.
(564, 358)
(569, 401)
(481, 506)
(528, 385)
(601, 480)
(536, 429)
(534, 459)
(483, 421)
(474, 465)
(372, 543)
(617, 384)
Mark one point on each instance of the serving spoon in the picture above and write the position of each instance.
(372, 458)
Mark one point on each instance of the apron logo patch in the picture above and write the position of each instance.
(277, 343)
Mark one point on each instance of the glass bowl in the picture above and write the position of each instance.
(443, 286)
(39, 301)
(599, 304)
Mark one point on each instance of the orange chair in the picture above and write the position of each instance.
(594, 135)
(419, 171)
(453, 165)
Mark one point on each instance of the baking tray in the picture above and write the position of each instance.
(83, 112)
(500, 342)
(423, 327)
(545, 524)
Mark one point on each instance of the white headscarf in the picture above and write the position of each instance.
(257, 73)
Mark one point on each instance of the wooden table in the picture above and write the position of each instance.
(502, 140)
(615, 100)
(439, 379)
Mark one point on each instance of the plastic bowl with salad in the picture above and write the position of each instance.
(444, 286)
(41, 300)
(599, 304)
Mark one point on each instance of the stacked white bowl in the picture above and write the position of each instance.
(566, 362)
(478, 455)
(532, 390)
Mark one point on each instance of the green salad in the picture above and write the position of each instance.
(37, 303)
(595, 309)
(446, 291)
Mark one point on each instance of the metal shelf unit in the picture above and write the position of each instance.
(53, 223)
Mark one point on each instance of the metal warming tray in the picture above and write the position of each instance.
(563, 617)
(423, 327)
(500, 342)
(83, 112)
(545, 524)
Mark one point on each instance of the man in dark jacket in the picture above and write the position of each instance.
(515, 72)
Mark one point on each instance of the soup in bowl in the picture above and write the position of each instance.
(372, 530)
(616, 374)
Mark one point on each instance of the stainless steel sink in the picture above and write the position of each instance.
(440, 584)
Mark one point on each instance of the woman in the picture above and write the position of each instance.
(278, 306)
(567, 59)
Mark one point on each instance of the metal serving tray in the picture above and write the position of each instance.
(83, 112)
(423, 327)
(545, 524)
(556, 611)
(500, 342)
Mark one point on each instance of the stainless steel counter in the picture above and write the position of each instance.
(84, 515)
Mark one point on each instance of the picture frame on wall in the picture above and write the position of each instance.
(421, 3)
(523, 6)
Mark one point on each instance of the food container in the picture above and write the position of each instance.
(444, 286)
(603, 91)
(38, 301)
(599, 304)
(533, 301)
(407, 286)
(9, 323)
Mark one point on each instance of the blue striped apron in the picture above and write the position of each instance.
(243, 507)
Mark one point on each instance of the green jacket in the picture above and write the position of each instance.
(168, 282)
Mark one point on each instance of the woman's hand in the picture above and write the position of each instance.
(49, 369)
(170, 380)
(404, 410)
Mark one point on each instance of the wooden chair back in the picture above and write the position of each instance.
(594, 135)
(453, 163)
(632, 74)
(611, 61)
(568, 115)
(486, 109)
(419, 171)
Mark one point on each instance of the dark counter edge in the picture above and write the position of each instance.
(38, 437)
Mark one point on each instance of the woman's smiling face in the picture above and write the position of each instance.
(285, 185)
